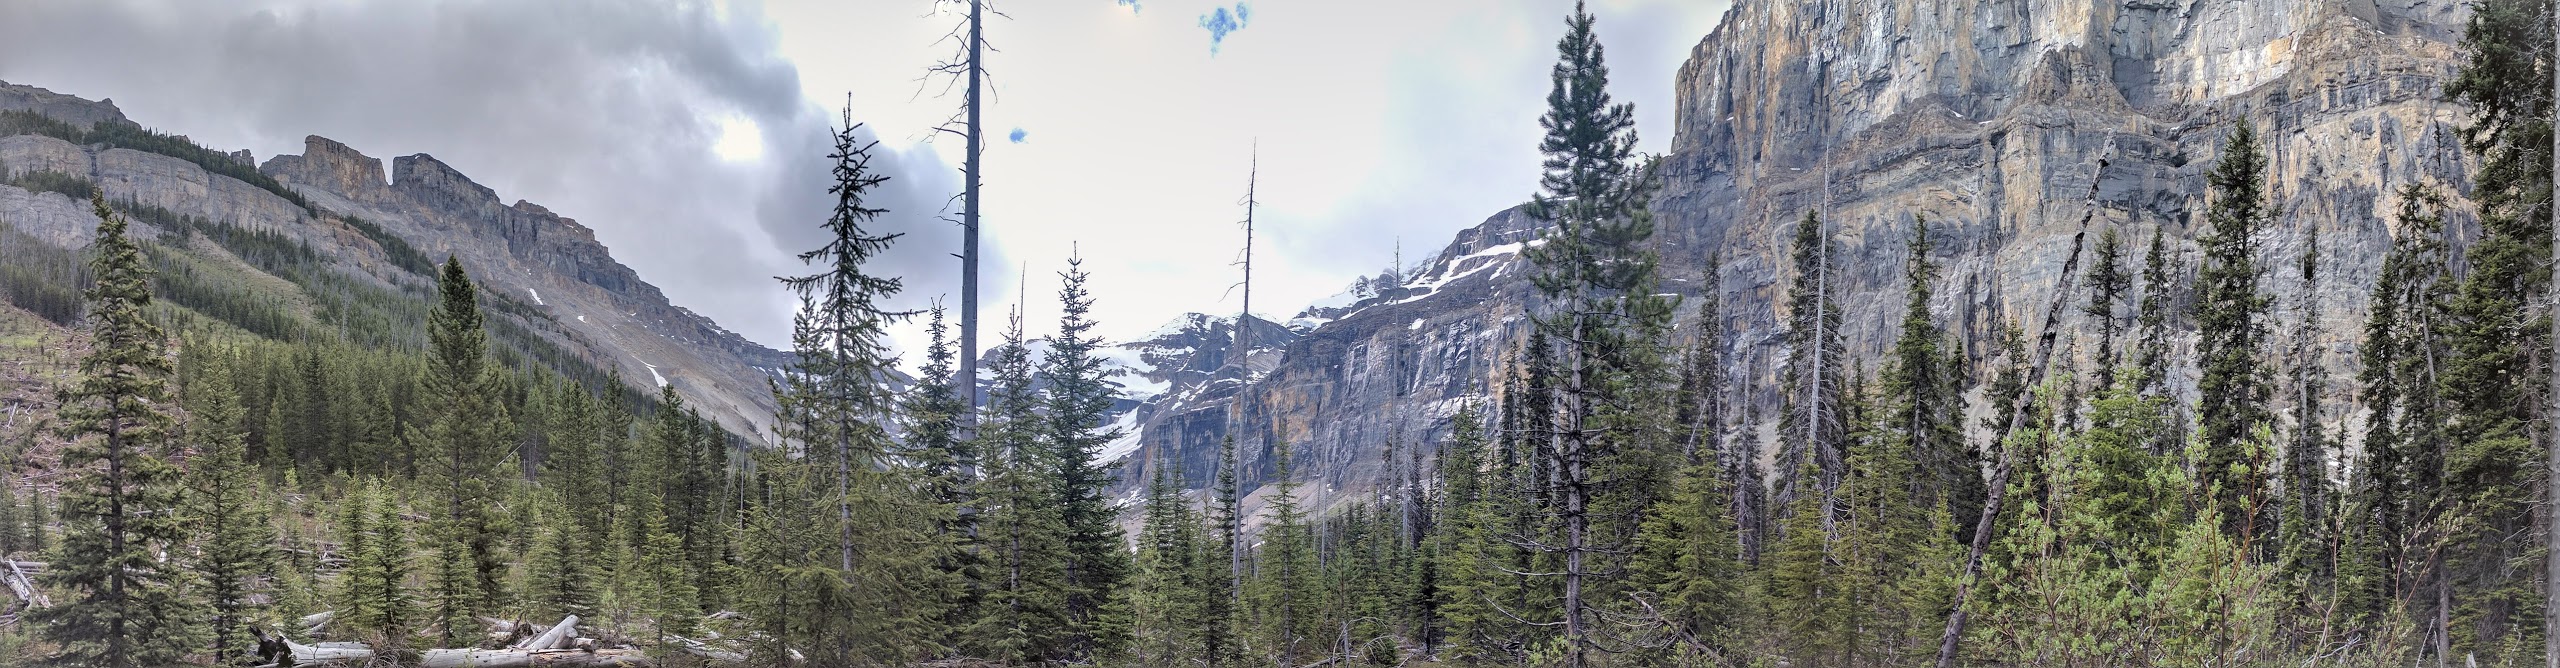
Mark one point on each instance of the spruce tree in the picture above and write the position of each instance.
(1024, 612)
(1925, 395)
(121, 605)
(2306, 514)
(1689, 564)
(948, 466)
(1285, 586)
(2397, 486)
(848, 322)
(235, 543)
(465, 461)
(2231, 321)
(1812, 430)
(2494, 379)
(2159, 306)
(375, 586)
(1078, 397)
(561, 575)
(2109, 282)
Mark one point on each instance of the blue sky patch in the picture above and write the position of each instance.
(1219, 22)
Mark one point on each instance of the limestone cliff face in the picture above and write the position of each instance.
(1990, 118)
(579, 297)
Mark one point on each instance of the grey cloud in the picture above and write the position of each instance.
(603, 111)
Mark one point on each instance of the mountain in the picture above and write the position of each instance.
(1990, 117)
(556, 294)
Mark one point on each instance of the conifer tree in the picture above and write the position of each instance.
(2231, 321)
(1689, 564)
(2109, 282)
(1811, 427)
(120, 604)
(1805, 599)
(847, 323)
(235, 543)
(2396, 487)
(2494, 380)
(1285, 588)
(576, 467)
(1925, 396)
(1166, 597)
(2158, 307)
(562, 576)
(465, 461)
(2307, 534)
(1222, 583)
(948, 468)
(1596, 277)
(375, 587)
(1097, 566)
(1025, 606)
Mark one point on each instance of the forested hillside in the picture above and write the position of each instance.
(224, 446)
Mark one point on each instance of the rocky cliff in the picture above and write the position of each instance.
(1990, 117)
(559, 283)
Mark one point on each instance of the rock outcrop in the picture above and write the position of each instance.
(1990, 118)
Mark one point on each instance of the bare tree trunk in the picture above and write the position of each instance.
(967, 382)
(2551, 443)
(2018, 410)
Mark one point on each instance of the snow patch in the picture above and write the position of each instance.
(1417, 325)
(537, 297)
(582, 317)
(1127, 442)
(653, 373)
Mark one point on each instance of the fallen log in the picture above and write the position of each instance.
(275, 648)
(707, 651)
(557, 637)
(521, 658)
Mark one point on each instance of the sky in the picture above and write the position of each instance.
(691, 135)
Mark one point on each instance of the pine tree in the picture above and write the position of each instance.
(235, 543)
(1596, 277)
(121, 604)
(465, 461)
(2231, 320)
(1078, 397)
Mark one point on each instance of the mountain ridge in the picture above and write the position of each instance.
(522, 253)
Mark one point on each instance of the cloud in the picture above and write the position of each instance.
(1220, 22)
(678, 131)
(1018, 135)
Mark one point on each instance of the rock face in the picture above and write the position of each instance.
(575, 294)
(1989, 117)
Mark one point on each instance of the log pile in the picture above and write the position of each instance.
(522, 645)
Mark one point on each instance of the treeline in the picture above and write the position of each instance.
(1609, 507)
